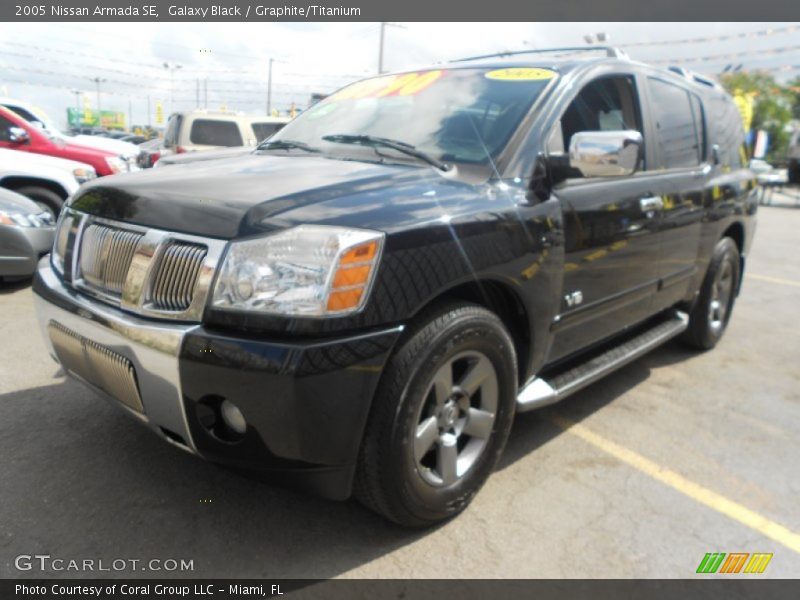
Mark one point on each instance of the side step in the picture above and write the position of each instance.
(539, 392)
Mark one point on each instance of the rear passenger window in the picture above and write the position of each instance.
(215, 133)
(264, 130)
(173, 127)
(679, 125)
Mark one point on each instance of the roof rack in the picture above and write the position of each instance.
(610, 51)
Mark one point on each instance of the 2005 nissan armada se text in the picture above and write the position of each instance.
(363, 303)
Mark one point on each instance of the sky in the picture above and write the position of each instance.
(51, 65)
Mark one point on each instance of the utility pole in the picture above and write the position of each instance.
(130, 114)
(149, 120)
(269, 87)
(172, 67)
(77, 93)
(384, 25)
(197, 93)
(97, 82)
(205, 93)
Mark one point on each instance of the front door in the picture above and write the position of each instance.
(610, 227)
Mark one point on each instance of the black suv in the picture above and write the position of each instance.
(363, 303)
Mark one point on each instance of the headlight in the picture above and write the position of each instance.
(59, 251)
(311, 270)
(84, 174)
(18, 219)
(116, 164)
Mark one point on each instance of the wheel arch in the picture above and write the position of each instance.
(15, 182)
(735, 231)
(500, 298)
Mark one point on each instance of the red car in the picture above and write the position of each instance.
(17, 134)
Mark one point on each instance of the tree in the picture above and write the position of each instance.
(773, 106)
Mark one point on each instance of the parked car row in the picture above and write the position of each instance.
(40, 167)
(37, 118)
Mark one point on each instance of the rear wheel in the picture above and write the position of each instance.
(441, 417)
(46, 199)
(712, 311)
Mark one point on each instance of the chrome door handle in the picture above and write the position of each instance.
(651, 203)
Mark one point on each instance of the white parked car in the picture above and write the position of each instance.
(36, 117)
(46, 180)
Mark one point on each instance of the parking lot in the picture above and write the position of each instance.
(640, 475)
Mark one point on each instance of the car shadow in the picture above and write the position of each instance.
(80, 480)
(534, 429)
(9, 285)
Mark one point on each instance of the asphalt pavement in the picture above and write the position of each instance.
(640, 475)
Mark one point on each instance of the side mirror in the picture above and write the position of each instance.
(17, 135)
(605, 153)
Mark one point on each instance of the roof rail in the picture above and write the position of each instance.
(695, 77)
(610, 51)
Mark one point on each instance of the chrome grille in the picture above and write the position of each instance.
(105, 256)
(111, 372)
(174, 281)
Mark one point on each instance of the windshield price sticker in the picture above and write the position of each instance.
(407, 84)
(521, 74)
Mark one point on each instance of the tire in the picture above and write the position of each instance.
(711, 312)
(415, 408)
(47, 199)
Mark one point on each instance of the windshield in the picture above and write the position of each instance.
(453, 115)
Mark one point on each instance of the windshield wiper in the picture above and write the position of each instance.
(286, 145)
(371, 140)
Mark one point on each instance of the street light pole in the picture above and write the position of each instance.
(77, 93)
(97, 82)
(172, 67)
(380, 48)
(269, 87)
(384, 25)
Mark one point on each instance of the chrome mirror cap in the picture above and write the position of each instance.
(605, 153)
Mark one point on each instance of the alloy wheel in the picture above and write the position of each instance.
(456, 418)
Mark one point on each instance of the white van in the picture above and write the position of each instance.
(207, 130)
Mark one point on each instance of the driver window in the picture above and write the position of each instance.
(605, 104)
(5, 129)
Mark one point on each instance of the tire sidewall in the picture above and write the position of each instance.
(477, 333)
(725, 251)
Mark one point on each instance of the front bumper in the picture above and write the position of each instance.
(305, 402)
(21, 248)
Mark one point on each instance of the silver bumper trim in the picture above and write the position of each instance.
(153, 348)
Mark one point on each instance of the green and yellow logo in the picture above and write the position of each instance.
(735, 562)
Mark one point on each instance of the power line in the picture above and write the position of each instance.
(717, 38)
(729, 56)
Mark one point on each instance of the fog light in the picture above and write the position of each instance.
(233, 417)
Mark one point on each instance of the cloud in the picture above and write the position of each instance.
(42, 62)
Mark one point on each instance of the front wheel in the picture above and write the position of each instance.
(441, 417)
(712, 311)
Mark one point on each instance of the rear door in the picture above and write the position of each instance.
(611, 248)
(680, 154)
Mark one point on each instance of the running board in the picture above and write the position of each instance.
(540, 392)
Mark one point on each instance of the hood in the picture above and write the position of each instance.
(187, 157)
(256, 193)
(125, 149)
(28, 160)
(14, 202)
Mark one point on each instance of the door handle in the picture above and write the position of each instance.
(651, 203)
